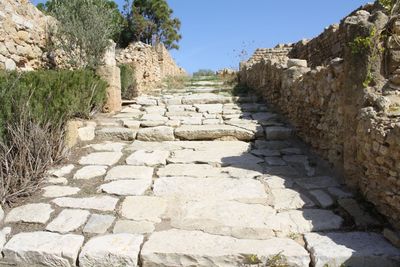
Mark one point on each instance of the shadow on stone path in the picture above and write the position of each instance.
(194, 179)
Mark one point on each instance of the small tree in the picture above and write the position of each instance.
(151, 22)
(84, 29)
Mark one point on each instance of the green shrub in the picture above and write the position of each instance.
(128, 82)
(204, 72)
(50, 96)
(34, 107)
(84, 29)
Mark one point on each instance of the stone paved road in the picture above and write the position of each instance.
(193, 180)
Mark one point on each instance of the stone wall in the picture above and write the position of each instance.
(22, 35)
(151, 64)
(321, 89)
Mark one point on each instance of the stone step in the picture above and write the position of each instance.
(351, 249)
(213, 132)
(120, 133)
(194, 248)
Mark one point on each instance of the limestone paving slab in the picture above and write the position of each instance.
(148, 158)
(304, 221)
(121, 133)
(244, 190)
(4, 233)
(212, 132)
(124, 172)
(101, 158)
(43, 249)
(195, 248)
(144, 208)
(229, 218)
(68, 220)
(61, 171)
(30, 213)
(289, 199)
(190, 170)
(98, 224)
(90, 172)
(59, 191)
(111, 250)
(99, 202)
(126, 187)
(108, 146)
(160, 133)
(351, 249)
(133, 227)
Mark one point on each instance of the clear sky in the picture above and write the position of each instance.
(215, 31)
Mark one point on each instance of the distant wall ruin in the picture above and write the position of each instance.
(320, 85)
(151, 64)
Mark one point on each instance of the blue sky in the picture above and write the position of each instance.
(215, 31)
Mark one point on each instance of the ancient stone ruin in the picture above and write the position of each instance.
(320, 86)
(196, 176)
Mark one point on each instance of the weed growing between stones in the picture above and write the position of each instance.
(277, 260)
(29, 149)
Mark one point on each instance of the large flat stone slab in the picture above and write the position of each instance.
(161, 133)
(43, 249)
(108, 146)
(226, 156)
(120, 133)
(195, 248)
(212, 132)
(351, 249)
(144, 208)
(111, 250)
(148, 158)
(98, 224)
(133, 227)
(130, 173)
(61, 171)
(304, 221)
(30, 213)
(59, 191)
(90, 172)
(190, 170)
(101, 158)
(68, 220)
(126, 187)
(288, 199)
(205, 99)
(228, 218)
(102, 203)
(244, 190)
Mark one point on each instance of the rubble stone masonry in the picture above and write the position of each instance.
(320, 85)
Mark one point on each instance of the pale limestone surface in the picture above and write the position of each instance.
(194, 248)
(59, 191)
(68, 221)
(43, 249)
(101, 158)
(351, 249)
(111, 250)
(126, 187)
(133, 227)
(148, 158)
(129, 173)
(98, 224)
(30, 213)
(101, 203)
(245, 190)
(229, 218)
(144, 208)
(90, 172)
